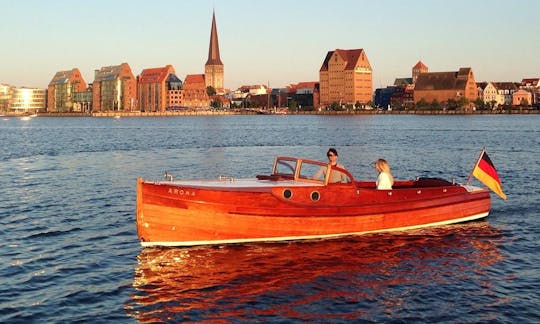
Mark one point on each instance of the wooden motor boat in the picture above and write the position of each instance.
(289, 204)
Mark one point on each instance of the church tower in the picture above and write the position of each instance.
(213, 69)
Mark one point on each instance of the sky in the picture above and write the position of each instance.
(275, 43)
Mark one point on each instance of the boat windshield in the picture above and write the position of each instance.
(308, 170)
(285, 166)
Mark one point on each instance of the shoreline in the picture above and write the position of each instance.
(253, 112)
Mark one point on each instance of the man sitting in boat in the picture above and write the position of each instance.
(335, 176)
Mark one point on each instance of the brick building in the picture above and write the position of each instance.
(417, 69)
(153, 86)
(62, 88)
(444, 86)
(194, 93)
(345, 77)
(114, 89)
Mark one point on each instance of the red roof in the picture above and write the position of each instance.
(303, 85)
(350, 56)
(420, 65)
(194, 81)
(155, 75)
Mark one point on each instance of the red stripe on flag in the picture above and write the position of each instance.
(489, 169)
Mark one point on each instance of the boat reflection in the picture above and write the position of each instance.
(281, 281)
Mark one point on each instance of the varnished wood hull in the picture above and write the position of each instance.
(186, 214)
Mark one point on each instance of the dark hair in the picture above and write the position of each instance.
(332, 150)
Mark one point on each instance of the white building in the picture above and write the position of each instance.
(27, 100)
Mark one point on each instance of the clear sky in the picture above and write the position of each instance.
(268, 42)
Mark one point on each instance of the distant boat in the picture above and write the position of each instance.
(116, 116)
(26, 118)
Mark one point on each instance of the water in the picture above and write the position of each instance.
(70, 252)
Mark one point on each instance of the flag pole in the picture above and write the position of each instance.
(475, 165)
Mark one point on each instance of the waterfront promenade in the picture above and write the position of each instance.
(216, 112)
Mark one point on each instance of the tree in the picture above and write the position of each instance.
(422, 104)
(292, 105)
(369, 103)
(335, 106)
(435, 105)
(210, 91)
(479, 103)
(452, 104)
(462, 102)
(216, 103)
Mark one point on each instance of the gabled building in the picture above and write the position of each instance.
(417, 69)
(444, 86)
(213, 69)
(490, 95)
(480, 87)
(345, 77)
(114, 89)
(153, 86)
(62, 88)
(499, 93)
(194, 93)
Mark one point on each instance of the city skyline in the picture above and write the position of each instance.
(261, 44)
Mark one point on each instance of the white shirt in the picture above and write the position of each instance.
(383, 181)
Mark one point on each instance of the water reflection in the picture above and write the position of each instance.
(332, 279)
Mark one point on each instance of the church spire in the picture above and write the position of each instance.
(213, 51)
(213, 69)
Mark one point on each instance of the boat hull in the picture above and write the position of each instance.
(187, 214)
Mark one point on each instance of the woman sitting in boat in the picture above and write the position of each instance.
(385, 180)
(335, 176)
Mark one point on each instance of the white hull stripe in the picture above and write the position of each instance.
(308, 237)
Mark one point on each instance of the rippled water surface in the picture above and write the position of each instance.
(70, 252)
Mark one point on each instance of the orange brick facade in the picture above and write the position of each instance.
(152, 89)
(345, 77)
(443, 86)
(194, 93)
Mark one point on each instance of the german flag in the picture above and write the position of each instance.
(486, 173)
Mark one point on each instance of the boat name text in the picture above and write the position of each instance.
(181, 192)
